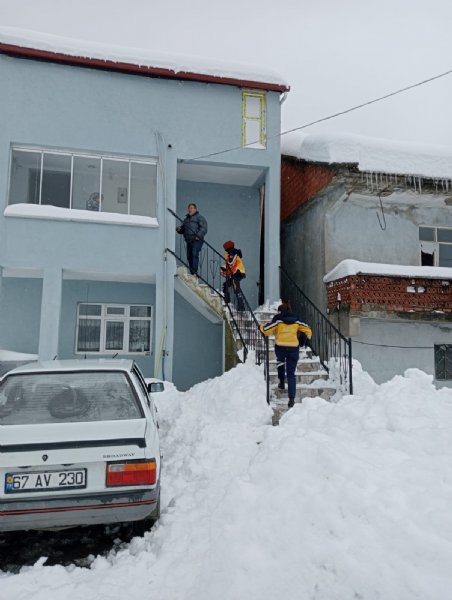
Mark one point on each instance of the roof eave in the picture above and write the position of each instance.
(130, 68)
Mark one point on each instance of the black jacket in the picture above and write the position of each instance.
(194, 228)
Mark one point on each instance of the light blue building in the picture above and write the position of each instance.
(93, 153)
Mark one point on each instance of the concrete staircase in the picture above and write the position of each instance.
(202, 290)
(312, 378)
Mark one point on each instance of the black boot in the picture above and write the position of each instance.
(291, 402)
(281, 384)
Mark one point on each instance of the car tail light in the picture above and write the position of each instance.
(131, 473)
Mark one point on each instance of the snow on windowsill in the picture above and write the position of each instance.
(55, 213)
(351, 267)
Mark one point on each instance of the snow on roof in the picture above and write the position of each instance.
(371, 154)
(350, 267)
(15, 41)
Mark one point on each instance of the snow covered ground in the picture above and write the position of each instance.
(341, 501)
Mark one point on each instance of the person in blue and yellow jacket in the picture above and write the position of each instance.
(287, 329)
(233, 270)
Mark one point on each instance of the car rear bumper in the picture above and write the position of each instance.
(89, 509)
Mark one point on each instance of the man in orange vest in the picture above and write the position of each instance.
(233, 270)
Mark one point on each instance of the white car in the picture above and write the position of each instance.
(79, 445)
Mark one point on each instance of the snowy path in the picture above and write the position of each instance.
(341, 501)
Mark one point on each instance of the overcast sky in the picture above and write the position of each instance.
(333, 53)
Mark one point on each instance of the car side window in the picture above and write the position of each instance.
(141, 381)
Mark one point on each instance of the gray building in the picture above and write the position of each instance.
(390, 208)
(93, 153)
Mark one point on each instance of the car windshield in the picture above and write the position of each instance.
(84, 396)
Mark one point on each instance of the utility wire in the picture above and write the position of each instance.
(389, 346)
(329, 117)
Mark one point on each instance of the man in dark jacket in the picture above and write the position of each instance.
(193, 228)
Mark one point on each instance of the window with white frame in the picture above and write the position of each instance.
(436, 246)
(83, 181)
(254, 134)
(114, 328)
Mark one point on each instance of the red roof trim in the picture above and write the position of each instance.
(122, 67)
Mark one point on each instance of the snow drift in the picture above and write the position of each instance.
(341, 501)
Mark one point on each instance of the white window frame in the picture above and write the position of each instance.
(74, 154)
(104, 317)
(434, 245)
(261, 143)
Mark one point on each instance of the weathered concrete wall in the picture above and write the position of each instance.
(413, 341)
(303, 244)
(353, 230)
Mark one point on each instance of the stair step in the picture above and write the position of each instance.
(304, 366)
(306, 377)
(306, 391)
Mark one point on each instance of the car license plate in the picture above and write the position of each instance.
(42, 481)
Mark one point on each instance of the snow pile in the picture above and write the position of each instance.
(136, 56)
(371, 154)
(350, 267)
(10, 355)
(342, 500)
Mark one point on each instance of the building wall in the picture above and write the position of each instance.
(84, 109)
(20, 314)
(105, 292)
(353, 230)
(87, 110)
(336, 225)
(198, 346)
(232, 213)
(384, 363)
(303, 244)
(299, 183)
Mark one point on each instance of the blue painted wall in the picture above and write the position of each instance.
(20, 314)
(198, 346)
(83, 109)
(232, 213)
(108, 292)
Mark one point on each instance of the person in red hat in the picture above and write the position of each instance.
(233, 270)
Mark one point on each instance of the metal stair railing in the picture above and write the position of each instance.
(328, 343)
(240, 314)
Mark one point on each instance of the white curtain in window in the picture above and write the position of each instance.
(114, 335)
(89, 335)
(139, 336)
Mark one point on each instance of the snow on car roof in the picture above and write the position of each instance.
(103, 364)
(371, 154)
(46, 46)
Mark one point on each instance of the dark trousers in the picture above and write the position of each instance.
(234, 282)
(287, 358)
(193, 250)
